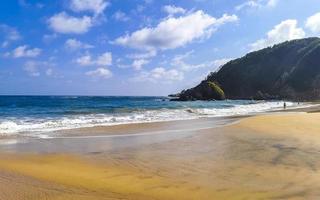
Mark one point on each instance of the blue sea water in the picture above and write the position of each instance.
(22, 114)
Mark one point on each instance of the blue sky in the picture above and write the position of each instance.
(136, 47)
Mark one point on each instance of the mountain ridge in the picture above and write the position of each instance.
(289, 70)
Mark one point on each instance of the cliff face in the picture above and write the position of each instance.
(290, 70)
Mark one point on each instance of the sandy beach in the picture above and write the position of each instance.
(160, 100)
(273, 156)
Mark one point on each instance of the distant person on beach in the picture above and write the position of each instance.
(284, 105)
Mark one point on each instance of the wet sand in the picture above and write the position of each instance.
(262, 157)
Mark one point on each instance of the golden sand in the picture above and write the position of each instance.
(302, 125)
(262, 157)
(98, 182)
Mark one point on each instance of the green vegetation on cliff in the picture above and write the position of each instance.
(217, 92)
(290, 70)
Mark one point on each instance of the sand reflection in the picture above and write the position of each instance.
(234, 162)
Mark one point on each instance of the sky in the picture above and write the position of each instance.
(136, 47)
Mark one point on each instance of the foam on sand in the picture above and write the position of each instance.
(37, 127)
(261, 157)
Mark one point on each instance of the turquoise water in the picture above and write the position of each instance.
(48, 113)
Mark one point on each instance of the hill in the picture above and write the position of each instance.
(290, 70)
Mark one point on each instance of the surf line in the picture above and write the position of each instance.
(140, 134)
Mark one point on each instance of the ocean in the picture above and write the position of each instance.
(33, 115)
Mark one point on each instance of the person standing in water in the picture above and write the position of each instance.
(284, 105)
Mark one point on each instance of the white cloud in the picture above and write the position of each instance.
(49, 72)
(175, 32)
(24, 51)
(146, 55)
(66, 24)
(286, 30)
(159, 74)
(31, 67)
(104, 59)
(140, 8)
(10, 34)
(171, 9)
(272, 3)
(85, 60)
(179, 62)
(95, 6)
(248, 4)
(313, 23)
(220, 62)
(225, 19)
(100, 73)
(120, 16)
(139, 63)
(257, 4)
(49, 37)
(74, 44)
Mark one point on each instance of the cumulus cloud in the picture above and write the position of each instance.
(66, 24)
(100, 73)
(175, 32)
(171, 9)
(313, 23)
(95, 6)
(120, 16)
(286, 30)
(24, 51)
(31, 67)
(74, 44)
(146, 55)
(248, 4)
(179, 62)
(9, 34)
(159, 74)
(85, 60)
(225, 19)
(104, 59)
(256, 4)
(139, 63)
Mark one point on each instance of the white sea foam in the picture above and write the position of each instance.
(38, 127)
(244, 109)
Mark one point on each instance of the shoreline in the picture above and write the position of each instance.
(153, 127)
(268, 156)
(141, 129)
(84, 140)
(48, 131)
(137, 128)
(118, 129)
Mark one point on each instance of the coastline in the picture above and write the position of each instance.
(268, 156)
(41, 122)
(160, 100)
